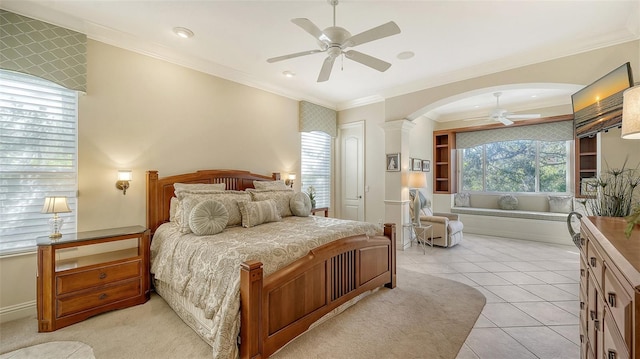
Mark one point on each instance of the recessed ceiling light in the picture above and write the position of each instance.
(183, 32)
(289, 74)
(405, 55)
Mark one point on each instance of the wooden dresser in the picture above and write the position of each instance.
(609, 289)
(88, 273)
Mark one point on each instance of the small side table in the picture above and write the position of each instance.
(108, 269)
(420, 232)
(320, 209)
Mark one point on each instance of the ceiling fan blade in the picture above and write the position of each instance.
(290, 56)
(505, 121)
(325, 72)
(376, 33)
(524, 116)
(311, 28)
(367, 60)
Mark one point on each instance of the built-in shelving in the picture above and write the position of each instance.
(444, 162)
(586, 150)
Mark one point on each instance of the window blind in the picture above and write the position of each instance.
(38, 157)
(316, 165)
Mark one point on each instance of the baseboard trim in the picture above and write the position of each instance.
(18, 311)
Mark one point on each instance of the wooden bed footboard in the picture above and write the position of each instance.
(276, 309)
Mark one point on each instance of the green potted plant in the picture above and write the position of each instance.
(311, 192)
(613, 196)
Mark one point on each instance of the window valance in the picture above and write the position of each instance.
(552, 131)
(317, 118)
(44, 50)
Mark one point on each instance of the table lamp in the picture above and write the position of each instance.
(417, 180)
(55, 205)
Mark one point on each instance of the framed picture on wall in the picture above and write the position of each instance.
(393, 162)
(426, 165)
(416, 164)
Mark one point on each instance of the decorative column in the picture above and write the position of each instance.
(396, 194)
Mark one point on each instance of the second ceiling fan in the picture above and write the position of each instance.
(334, 40)
(503, 116)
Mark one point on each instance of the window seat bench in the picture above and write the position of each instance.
(547, 227)
(545, 216)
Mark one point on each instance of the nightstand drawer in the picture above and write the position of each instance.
(94, 299)
(67, 283)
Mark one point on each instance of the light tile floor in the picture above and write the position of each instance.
(531, 288)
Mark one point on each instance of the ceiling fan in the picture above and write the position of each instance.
(503, 116)
(334, 40)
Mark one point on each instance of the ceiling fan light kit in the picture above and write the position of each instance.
(334, 40)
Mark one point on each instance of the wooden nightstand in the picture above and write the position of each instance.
(320, 209)
(89, 273)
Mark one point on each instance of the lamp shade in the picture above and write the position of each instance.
(417, 180)
(55, 205)
(125, 175)
(631, 113)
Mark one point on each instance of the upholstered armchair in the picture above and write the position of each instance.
(447, 227)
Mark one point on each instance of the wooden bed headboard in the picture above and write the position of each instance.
(160, 190)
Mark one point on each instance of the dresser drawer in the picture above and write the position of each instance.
(67, 283)
(595, 262)
(584, 308)
(620, 306)
(594, 319)
(613, 346)
(94, 299)
(584, 273)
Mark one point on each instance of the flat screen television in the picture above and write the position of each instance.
(598, 106)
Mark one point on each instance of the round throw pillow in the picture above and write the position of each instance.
(300, 204)
(208, 217)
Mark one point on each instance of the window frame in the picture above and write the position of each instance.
(54, 154)
(569, 178)
(322, 181)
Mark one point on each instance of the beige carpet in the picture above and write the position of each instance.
(52, 350)
(423, 317)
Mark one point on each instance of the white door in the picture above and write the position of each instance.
(352, 171)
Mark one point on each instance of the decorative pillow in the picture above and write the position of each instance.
(229, 199)
(258, 212)
(300, 204)
(508, 201)
(208, 217)
(197, 188)
(281, 197)
(279, 184)
(462, 199)
(560, 204)
(173, 209)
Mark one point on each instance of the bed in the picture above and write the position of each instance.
(276, 302)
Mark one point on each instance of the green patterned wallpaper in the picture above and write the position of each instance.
(44, 50)
(317, 118)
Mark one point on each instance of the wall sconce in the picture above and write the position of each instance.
(631, 114)
(124, 176)
(55, 205)
(289, 181)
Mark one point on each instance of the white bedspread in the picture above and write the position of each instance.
(206, 269)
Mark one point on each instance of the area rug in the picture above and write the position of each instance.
(423, 317)
(52, 350)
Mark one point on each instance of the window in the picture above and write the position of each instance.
(316, 165)
(38, 157)
(516, 166)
